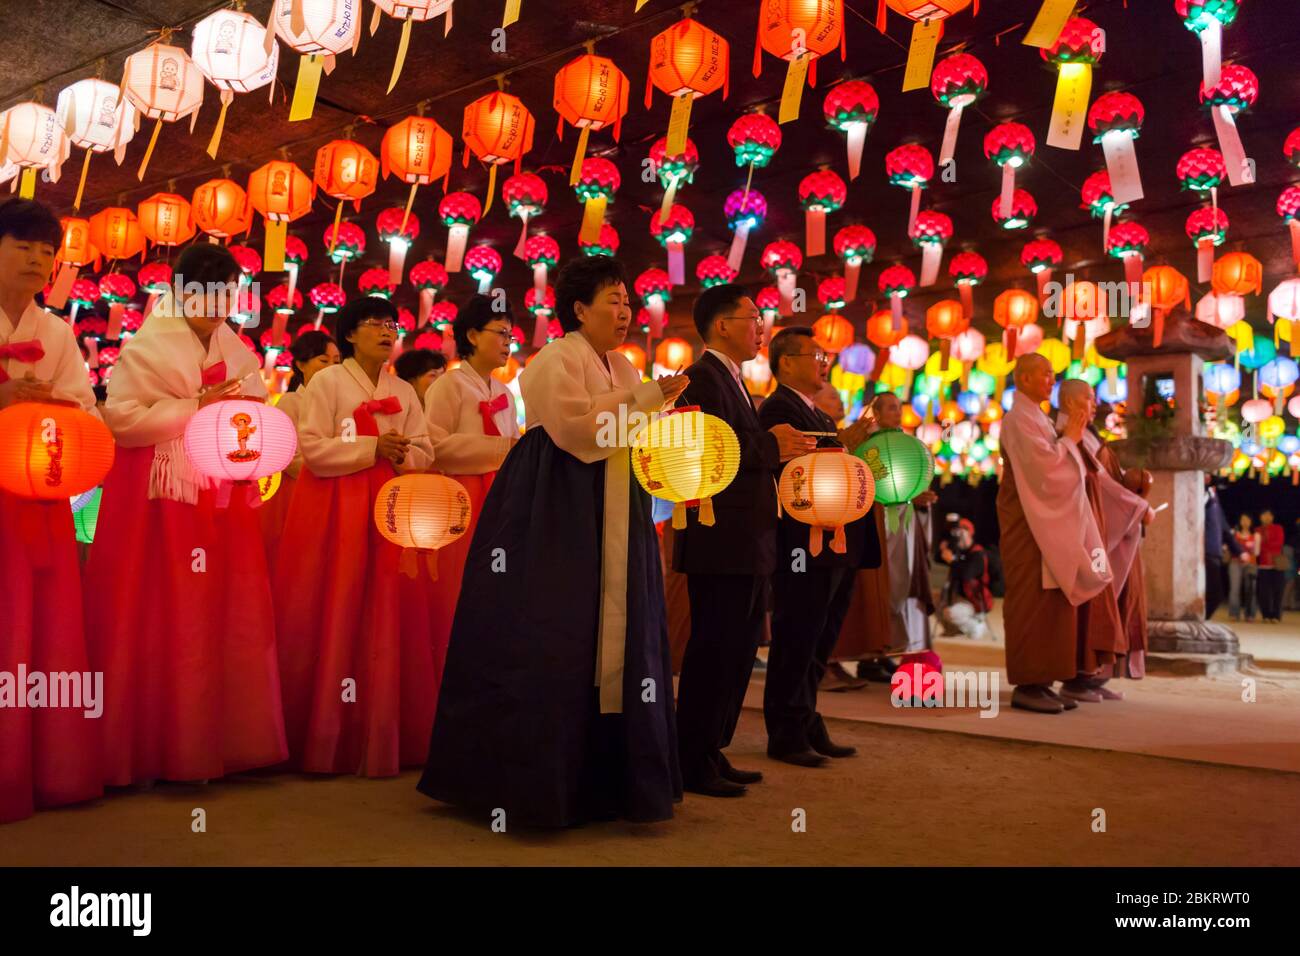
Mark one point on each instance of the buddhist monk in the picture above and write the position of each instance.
(1116, 618)
(1053, 554)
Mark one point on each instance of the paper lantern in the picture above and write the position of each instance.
(714, 270)
(1291, 148)
(1021, 213)
(52, 452)
(399, 229)
(281, 192)
(826, 490)
(851, 107)
(35, 139)
(420, 514)
(910, 354)
(855, 245)
(346, 171)
(686, 456)
(945, 320)
(459, 211)
(328, 298)
(346, 243)
(221, 208)
(483, 264)
(830, 293)
(250, 263)
(1288, 207)
(1014, 309)
(799, 32)
(673, 170)
(154, 278)
(116, 233)
(957, 82)
(912, 167)
(1284, 311)
(417, 151)
(1235, 93)
(882, 333)
(673, 232)
(900, 464)
(833, 333)
(635, 355)
(96, 118)
(1255, 410)
(755, 138)
(377, 283)
(655, 289)
(820, 192)
(1099, 199)
(237, 55)
(1040, 257)
(1200, 170)
(673, 354)
(930, 233)
(525, 195)
(896, 282)
(783, 260)
(745, 211)
(968, 269)
(590, 94)
(596, 185)
(605, 244)
(1277, 378)
(1115, 120)
(1076, 49)
(279, 300)
(319, 30)
(1010, 146)
(429, 278)
(1128, 242)
(164, 84)
(411, 11)
(688, 60)
(237, 440)
(75, 251)
(1238, 273)
(166, 219)
(1206, 228)
(1207, 18)
(498, 129)
(928, 17)
(1221, 311)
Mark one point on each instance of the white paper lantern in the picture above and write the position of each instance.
(163, 83)
(36, 140)
(1256, 410)
(1221, 311)
(229, 48)
(95, 117)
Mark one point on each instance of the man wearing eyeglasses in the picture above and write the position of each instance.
(727, 563)
(810, 595)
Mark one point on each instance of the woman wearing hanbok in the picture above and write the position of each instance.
(49, 756)
(421, 368)
(311, 351)
(556, 704)
(181, 624)
(356, 659)
(472, 425)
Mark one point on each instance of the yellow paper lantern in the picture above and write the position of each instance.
(892, 377)
(686, 456)
(1057, 353)
(420, 514)
(1271, 428)
(268, 485)
(937, 367)
(826, 490)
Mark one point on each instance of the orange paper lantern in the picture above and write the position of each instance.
(345, 170)
(419, 514)
(687, 60)
(75, 248)
(945, 320)
(799, 32)
(116, 233)
(166, 219)
(52, 452)
(1238, 273)
(590, 94)
(498, 129)
(826, 490)
(1167, 288)
(1013, 310)
(673, 353)
(417, 150)
(281, 192)
(833, 333)
(221, 208)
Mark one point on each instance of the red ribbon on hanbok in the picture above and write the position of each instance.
(30, 352)
(364, 415)
(489, 409)
(213, 374)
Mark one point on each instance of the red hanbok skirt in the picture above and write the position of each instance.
(272, 515)
(49, 755)
(356, 656)
(185, 638)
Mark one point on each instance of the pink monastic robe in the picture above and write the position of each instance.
(1053, 555)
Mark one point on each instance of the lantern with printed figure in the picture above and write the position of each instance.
(164, 84)
(234, 51)
(238, 441)
(826, 490)
(685, 456)
(35, 140)
(221, 208)
(319, 30)
(97, 118)
(418, 151)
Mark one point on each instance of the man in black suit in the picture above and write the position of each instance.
(727, 563)
(810, 595)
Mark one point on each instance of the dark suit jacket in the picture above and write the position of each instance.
(785, 406)
(743, 538)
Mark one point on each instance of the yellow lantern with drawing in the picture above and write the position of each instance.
(826, 490)
(1057, 353)
(686, 456)
(268, 485)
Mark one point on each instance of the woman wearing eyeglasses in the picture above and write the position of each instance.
(556, 704)
(472, 425)
(356, 660)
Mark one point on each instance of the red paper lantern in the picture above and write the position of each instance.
(279, 301)
(673, 232)
(1128, 243)
(1207, 228)
(484, 264)
(1041, 256)
(755, 138)
(881, 331)
(1116, 120)
(896, 282)
(957, 82)
(75, 247)
(52, 452)
(830, 293)
(655, 290)
(250, 263)
(1291, 148)
(820, 192)
(851, 107)
(542, 253)
(968, 269)
(673, 171)
(459, 211)
(606, 244)
(525, 195)
(855, 245)
(597, 182)
(783, 260)
(912, 167)
(1288, 207)
(1021, 213)
(930, 232)
(1010, 146)
(281, 192)
(714, 270)
(674, 354)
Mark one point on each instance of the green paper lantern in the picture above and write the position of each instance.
(86, 518)
(900, 463)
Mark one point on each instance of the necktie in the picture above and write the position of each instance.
(30, 351)
(489, 409)
(364, 415)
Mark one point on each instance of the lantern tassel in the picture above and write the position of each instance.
(945, 352)
(706, 512)
(62, 286)
(1044, 276)
(539, 330)
(814, 231)
(920, 54)
(1009, 342)
(857, 140)
(796, 75)
(523, 236)
(852, 272)
(1204, 259)
(406, 213)
(814, 540)
(838, 544)
(400, 59)
(307, 87)
(740, 239)
(397, 260)
(950, 130)
(593, 217)
(408, 564)
(1105, 225)
(1070, 106)
(931, 259)
(579, 154)
(448, 344)
(491, 189)
(679, 516)
(116, 311)
(27, 183)
(292, 269)
(749, 179)
(273, 246)
(227, 97)
(81, 184)
(334, 233)
(153, 141)
(1158, 330)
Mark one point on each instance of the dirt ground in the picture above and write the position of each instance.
(911, 797)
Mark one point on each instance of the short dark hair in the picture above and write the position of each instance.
(413, 363)
(579, 281)
(474, 317)
(304, 348)
(786, 342)
(357, 311)
(30, 221)
(204, 262)
(713, 301)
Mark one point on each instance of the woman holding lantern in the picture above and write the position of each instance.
(556, 704)
(472, 425)
(356, 657)
(182, 626)
(48, 756)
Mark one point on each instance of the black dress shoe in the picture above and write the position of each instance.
(728, 772)
(827, 748)
(717, 787)
(876, 671)
(800, 758)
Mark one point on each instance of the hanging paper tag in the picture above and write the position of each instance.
(1234, 154)
(579, 154)
(1048, 24)
(27, 187)
(523, 236)
(678, 123)
(1070, 108)
(931, 259)
(852, 271)
(273, 247)
(741, 237)
(639, 5)
(402, 45)
(511, 14)
(920, 55)
(950, 136)
(81, 185)
(1211, 55)
(593, 217)
(814, 232)
(1008, 191)
(796, 75)
(1204, 260)
(153, 141)
(1121, 163)
(62, 286)
(304, 91)
(857, 139)
(214, 143)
